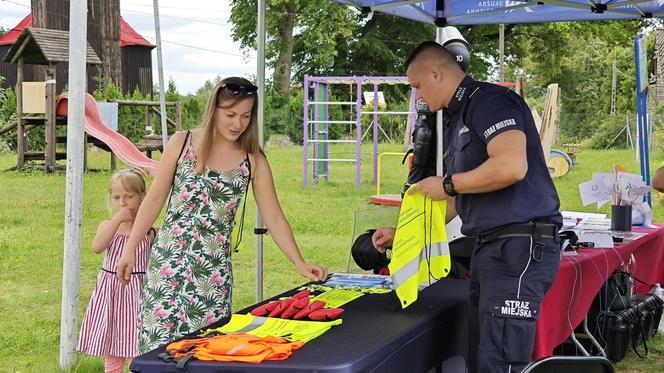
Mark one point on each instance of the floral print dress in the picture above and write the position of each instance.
(189, 278)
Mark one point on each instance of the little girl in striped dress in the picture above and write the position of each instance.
(109, 326)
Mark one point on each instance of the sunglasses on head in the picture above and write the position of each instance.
(235, 89)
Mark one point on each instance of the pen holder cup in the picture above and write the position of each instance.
(621, 218)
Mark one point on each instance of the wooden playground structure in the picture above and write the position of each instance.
(40, 47)
(151, 142)
(36, 101)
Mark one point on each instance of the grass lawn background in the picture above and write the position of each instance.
(31, 241)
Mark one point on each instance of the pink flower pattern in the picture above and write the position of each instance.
(186, 254)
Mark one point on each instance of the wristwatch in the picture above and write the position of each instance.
(448, 186)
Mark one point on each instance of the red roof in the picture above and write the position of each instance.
(128, 36)
(12, 35)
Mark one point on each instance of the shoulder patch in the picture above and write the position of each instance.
(502, 124)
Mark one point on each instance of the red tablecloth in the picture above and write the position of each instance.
(580, 278)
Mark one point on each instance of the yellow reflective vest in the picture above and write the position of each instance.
(420, 253)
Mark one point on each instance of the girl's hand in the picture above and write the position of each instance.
(314, 272)
(125, 265)
(124, 215)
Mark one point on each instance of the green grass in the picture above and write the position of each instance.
(32, 221)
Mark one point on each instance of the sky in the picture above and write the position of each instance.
(196, 38)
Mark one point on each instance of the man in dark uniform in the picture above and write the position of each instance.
(499, 181)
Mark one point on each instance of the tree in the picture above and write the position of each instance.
(311, 27)
(578, 56)
(206, 89)
(192, 111)
(321, 38)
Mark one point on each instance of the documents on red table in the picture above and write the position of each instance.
(595, 228)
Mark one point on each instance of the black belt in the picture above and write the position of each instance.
(536, 230)
(115, 273)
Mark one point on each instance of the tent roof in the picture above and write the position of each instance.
(128, 36)
(40, 46)
(464, 12)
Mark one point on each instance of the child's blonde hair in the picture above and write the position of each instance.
(132, 179)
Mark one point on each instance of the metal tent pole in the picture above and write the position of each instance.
(375, 134)
(439, 120)
(160, 69)
(260, 80)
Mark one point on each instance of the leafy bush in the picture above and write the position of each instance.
(131, 119)
(192, 111)
(394, 125)
(171, 95)
(36, 139)
(284, 114)
(7, 117)
(606, 131)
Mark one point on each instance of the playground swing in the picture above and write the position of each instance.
(316, 127)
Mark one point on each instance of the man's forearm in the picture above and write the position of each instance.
(494, 174)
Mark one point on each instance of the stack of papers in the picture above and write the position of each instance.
(575, 219)
(595, 224)
(589, 227)
(595, 228)
(359, 281)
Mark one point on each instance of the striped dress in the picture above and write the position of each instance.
(110, 322)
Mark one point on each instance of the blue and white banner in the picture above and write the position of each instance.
(475, 12)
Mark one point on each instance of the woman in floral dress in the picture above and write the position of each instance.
(207, 171)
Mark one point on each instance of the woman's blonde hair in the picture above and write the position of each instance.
(132, 179)
(220, 95)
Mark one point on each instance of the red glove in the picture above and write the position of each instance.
(325, 314)
(265, 309)
(313, 306)
(281, 307)
(303, 294)
(277, 307)
(295, 307)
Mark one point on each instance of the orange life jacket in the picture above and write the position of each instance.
(235, 347)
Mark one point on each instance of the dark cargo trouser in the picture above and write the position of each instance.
(509, 279)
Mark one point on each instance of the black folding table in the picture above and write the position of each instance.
(374, 337)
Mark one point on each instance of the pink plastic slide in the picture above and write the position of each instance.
(121, 146)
